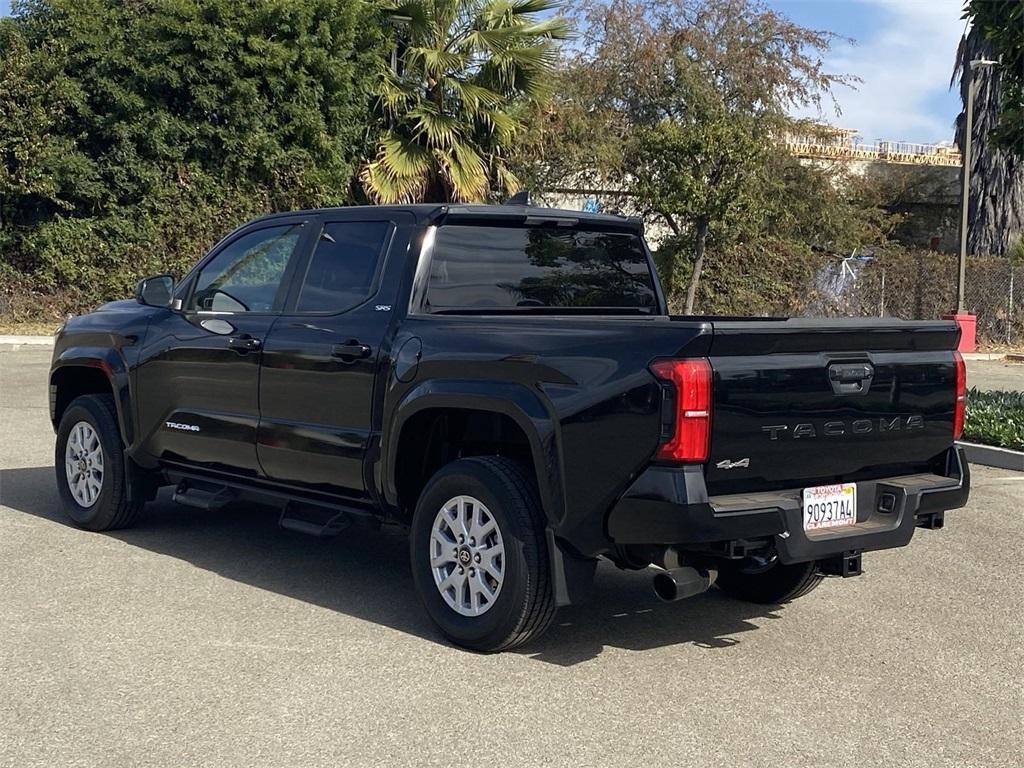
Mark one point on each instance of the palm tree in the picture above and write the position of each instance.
(451, 100)
(996, 196)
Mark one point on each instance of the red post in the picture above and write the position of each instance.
(968, 330)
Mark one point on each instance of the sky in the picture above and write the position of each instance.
(903, 51)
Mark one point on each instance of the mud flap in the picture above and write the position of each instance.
(571, 576)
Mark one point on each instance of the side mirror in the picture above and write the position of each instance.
(155, 291)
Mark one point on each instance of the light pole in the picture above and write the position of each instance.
(966, 160)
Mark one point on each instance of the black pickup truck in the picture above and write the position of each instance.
(506, 382)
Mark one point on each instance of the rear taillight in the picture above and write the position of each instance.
(689, 434)
(961, 396)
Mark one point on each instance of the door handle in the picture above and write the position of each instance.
(244, 343)
(350, 351)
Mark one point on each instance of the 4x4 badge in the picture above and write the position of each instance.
(727, 464)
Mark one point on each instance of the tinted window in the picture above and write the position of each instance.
(342, 270)
(509, 267)
(246, 275)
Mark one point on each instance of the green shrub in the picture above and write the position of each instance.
(133, 136)
(995, 418)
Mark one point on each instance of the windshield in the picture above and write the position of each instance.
(532, 268)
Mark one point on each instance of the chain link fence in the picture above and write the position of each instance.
(922, 285)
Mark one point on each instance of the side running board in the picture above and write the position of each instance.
(323, 520)
(313, 517)
(209, 498)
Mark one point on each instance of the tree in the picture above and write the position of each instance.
(996, 194)
(452, 106)
(698, 169)
(1001, 24)
(802, 218)
(144, 131)
(678, 101)
(38, 165)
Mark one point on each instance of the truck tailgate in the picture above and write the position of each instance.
(808, 402)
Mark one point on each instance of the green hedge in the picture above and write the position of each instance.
(134, 135)
(995, 418)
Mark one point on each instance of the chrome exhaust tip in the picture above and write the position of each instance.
(680, 583)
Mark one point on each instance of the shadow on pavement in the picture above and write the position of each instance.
(365, 574)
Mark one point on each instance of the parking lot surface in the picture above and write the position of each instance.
(217, 639)
(989, 375)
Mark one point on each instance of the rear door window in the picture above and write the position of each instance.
(343, 269)
(510, 268)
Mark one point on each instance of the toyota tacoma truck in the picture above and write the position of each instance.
(506, 382)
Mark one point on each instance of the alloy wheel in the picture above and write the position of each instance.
(467, 556)
(83, 464)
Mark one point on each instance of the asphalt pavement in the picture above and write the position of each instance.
(216, 639)
(995, 375)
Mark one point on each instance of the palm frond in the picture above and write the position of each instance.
(508, 182)
(437, 128)
(403, 158)
(400, 172)
(503, 125)
(416, 11)
(524, 7)
(555, 28)
(491, 39)
(465, 171)
(435, 61)
(474, 96)
(539, 56)
(391, 93)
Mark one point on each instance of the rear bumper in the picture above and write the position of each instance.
(668, 506)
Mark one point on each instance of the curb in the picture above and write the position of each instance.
(1001, 458)
(14, 343)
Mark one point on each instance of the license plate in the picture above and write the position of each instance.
(830, 506)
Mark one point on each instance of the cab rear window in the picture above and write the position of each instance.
(524, 268)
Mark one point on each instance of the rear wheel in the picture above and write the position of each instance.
(90, 466)
(770, 583)
(479, 554)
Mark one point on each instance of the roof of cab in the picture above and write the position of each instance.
(437, 213)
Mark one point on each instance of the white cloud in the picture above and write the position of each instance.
(905, 66)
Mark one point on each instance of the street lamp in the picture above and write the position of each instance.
(966, 160)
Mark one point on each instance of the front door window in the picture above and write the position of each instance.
(246, 276)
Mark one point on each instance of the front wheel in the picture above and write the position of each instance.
(770, 583)
(90, 466)
(479, 554)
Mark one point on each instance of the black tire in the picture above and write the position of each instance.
(772, 586)
(111, 509)
(525, 605)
